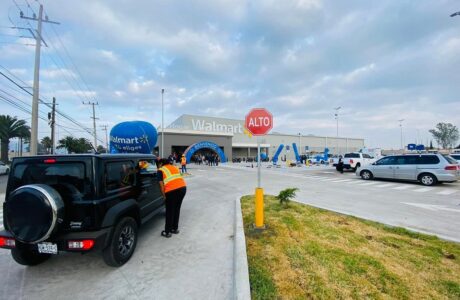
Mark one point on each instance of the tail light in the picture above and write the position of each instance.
(80, 245)
(50, 161)
(6, 242)
(351, 161)
(452, 168)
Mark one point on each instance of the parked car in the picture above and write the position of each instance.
(4, 169)
(78, 203)
(456, 157)
(354, 160)
(428, 169)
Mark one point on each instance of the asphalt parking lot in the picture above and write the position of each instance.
(197, 264)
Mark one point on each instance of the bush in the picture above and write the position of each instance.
(286, 195)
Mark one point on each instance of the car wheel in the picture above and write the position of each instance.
(122, 244)
(28, 257)
(428, 179)
(366, 175)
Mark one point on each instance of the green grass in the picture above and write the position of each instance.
(310, 253)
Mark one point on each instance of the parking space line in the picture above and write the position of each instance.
(370, 183)
(402, 187)
(385, 185)
(425, 189)
(343, 180)
(447, 192)
(357, 182)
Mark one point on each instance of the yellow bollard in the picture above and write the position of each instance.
(308, 163)
(259, 208)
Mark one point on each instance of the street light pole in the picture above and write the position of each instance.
(162, 124)
(400, 125)
(337, 120)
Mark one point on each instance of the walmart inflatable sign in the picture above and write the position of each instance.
(133, 137)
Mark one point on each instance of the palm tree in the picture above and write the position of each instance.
(11, 127)
(47, 144)
(75, 145)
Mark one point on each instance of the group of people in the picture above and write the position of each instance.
(208, 159)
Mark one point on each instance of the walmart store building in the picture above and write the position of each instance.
(227, 137)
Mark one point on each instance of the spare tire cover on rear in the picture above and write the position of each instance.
(33, 212)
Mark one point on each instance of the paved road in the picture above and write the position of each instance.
(197, 264)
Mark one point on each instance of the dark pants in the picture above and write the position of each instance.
(184, 168)
(173, 203)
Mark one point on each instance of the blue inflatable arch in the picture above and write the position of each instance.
(204, 145)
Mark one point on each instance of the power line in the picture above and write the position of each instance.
(49, 105)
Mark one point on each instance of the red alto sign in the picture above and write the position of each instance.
(259, 121)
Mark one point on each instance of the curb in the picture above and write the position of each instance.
(241, 287)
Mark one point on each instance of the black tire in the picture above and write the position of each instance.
(28, 257)
(366, 175)
(122, 244)
(427, 179)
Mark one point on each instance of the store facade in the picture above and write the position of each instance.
(230, 136)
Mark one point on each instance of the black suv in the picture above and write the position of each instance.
(78, 203)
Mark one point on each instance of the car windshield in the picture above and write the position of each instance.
(68, 176)
(450, 159)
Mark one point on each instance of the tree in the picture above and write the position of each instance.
(431, 145)
(445, 134)
(74, 145)
(11, 127)
(47, 144)
(101, 149)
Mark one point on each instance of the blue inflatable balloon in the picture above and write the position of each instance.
(263, 156)
(133, 137)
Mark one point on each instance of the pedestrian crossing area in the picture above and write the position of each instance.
(350, 179)
(397, 186)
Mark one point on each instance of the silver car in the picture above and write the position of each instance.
(428, 169)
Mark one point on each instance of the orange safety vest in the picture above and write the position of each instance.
(172, 178)
(183, 161)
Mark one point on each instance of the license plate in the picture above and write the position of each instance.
(48, 248)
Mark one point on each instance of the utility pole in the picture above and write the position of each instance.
(52, 124)
(104, 127)
(400, 125)
(94, 121)
(36, 87)
(337, 120)
(162, 124)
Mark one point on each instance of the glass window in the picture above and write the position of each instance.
(389, 160)
(119, 174)
(428, 160)
(147, 166)
(351, 155)
(450, 159)
(367, 156)
(406, 160)
(60, 176)
(455, 156)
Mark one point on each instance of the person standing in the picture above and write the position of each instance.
(183, 163)
(340, 165)
(173, 188)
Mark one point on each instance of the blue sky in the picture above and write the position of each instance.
(381, 61)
